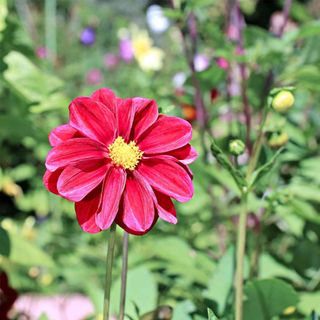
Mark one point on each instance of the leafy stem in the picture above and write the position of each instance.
(124, 275)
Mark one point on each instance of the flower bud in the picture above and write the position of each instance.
(236, 147)
(283, 101)
(278, 140)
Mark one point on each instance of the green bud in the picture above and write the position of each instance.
(236, 147)
(283, 101)
(278, 140)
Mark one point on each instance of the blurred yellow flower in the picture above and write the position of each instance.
(149, 58)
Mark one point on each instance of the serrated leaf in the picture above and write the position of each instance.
(225, 163)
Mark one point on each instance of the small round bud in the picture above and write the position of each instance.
(236, 147)
(283, 101)
(278, 140)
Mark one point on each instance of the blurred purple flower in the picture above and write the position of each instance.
(88, 36)
(201, 62)
(126, 50)
(94, 77)
(110, 61)
(42, 52)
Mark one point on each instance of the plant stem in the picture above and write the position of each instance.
(50, 29)
(124, 274)
(241, 244)
(107, 287)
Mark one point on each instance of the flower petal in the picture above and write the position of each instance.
(166, 134)
(146, 115)
(113, 186)
(86, 211)
(166, 175)
(50, 180)
(138, 214)
(185, 155)
(93, 119)
(72, 151)
(61, 133)
(166, 209)
(107, 97)
(126, 112)
(76, 182)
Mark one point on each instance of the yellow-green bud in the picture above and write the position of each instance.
(236, 147)
(278, 140)
(283, 101)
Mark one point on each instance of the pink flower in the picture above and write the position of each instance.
(119, 160)
(222, 63)
(94, 77)
(42, 52)
(110, 61)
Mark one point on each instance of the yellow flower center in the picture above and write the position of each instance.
(126, 155)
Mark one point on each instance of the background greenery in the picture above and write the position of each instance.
(189, 266)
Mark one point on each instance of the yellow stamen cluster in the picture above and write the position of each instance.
(126, 155)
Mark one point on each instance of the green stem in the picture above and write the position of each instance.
(124, 274)
(107, 287)
(257, 145)
(241, 244)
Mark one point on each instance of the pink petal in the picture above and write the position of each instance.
(126, 112)
(73, 151)
(146, 115)
(93, 119)
(86, 211)
(107, 97)
(166, 134)
(185, 155)
(114, 183)
(166, 175)
(61, 133)
(50, 180)
(166, 209)
(76, 182)
(138, 214)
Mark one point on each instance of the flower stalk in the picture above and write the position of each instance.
(107, 288)
(124, 275)
(241, 244)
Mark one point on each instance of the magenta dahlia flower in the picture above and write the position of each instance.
(120, 161)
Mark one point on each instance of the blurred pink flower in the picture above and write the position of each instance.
(110, 61)
(42, 52)
(68, 307)
(126, 50)
(222, 63)
(201, 62)
(94, 77)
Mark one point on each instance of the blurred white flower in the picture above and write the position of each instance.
(179, 79)
(156, 20)
(201, 62)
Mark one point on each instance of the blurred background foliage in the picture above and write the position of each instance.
(51, 52)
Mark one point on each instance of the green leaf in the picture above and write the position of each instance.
(183, 309)
(304, 210)
(211, 315)
(268, 298)
(220, 283)
(5, 243)
(264, 169)
(27, 79)
(225, 163)
(309, 301)
(141, 291)
(26, 253)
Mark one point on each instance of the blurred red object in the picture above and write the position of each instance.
(7, 296)
(214, 94)
(189, 112)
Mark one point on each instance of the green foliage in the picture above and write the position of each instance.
(268, 298)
